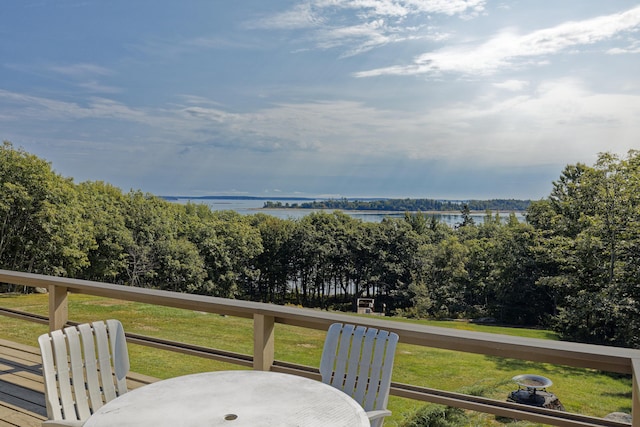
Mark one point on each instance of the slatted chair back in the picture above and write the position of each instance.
(359, 361)
(84, 367)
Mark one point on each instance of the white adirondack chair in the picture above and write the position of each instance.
(84, 367)
(359, 361)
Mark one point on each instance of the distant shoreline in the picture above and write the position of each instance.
(366, 206)
(375, 212)
(311, 199)
(276, 198)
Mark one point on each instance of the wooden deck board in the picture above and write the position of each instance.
(22, 401)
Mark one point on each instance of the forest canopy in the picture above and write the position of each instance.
(573, 265)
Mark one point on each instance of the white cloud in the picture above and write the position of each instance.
(363, 25)
(209, 114)
(373, 31)
(558, 121)
(35, 108)
(81, 70)
(97, 87)
(508, 49)
(399, 8)
(300, 16)
(38, 108)
(634, 47)
(363, 37)
(512, 85)
(86, 76)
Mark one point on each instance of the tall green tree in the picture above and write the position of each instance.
(42, 228)
(145, 220)
(104, 209)
(589, 226)
(274, 263)
(229, 245)
(396, 261)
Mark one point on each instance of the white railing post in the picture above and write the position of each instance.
(58, 307)
(263, 342)
(635, 404)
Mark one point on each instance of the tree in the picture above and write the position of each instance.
(467, 219)
(148, 225)
(314, 256)
(396, 262)
(104, 207)
(589, 226)
(42, 229)
(228, 245)
(516, 296)
(273, 264)
(449, 278)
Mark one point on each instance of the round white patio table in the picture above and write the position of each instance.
(232, 399)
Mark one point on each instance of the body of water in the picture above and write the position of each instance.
(253, 206)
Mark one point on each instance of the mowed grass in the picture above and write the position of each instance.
(580, 390)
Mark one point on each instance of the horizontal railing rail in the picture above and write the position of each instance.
(265, 316)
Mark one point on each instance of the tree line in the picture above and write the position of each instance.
(410, 205)
(573, 265)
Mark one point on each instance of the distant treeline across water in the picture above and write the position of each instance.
(290, 208)
(412, 205)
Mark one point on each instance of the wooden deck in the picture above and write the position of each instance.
(22, 389)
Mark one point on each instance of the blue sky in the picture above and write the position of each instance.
(396, 98)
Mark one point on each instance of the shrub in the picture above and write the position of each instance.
(433, 415)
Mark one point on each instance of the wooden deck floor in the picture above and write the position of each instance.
(22, 389)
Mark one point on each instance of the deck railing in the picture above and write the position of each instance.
(265, 316)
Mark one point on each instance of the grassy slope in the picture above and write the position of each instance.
(579, 390)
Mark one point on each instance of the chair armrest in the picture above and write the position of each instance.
(378, 413)
(62, 423)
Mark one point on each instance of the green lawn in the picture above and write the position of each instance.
(580, 390)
